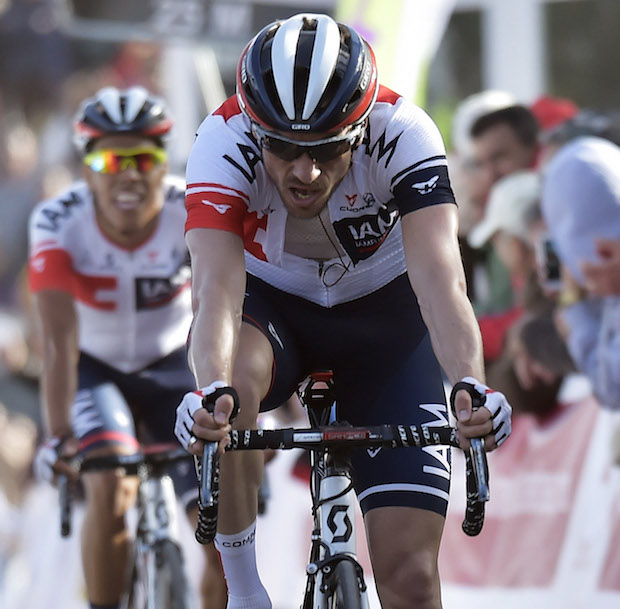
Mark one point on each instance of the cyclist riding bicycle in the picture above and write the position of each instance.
(322, 232)
(109, 271)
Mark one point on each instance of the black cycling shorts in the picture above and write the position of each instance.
(113, 407)
(385, 372)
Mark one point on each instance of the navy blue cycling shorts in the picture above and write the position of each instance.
(385, 372)
(113, 408)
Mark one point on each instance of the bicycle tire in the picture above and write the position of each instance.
(172, 589)
(345, 587)
(158, 579)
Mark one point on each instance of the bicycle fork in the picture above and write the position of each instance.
(157, 521)
(333, 538)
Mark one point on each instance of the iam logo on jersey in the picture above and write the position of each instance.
(351, 199)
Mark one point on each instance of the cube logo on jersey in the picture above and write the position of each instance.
(361, 236)
(153, 292)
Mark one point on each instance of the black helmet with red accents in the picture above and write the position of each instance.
(308, 74)
(112, 111)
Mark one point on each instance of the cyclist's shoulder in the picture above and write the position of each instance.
(225, 153)
(73, 206)
(395, 114)
(225, 126)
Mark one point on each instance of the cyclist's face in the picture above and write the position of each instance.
(126, 182)
(305, 184)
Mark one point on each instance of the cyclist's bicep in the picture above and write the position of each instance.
(431, 246)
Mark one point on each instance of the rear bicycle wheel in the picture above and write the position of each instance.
(345, 587)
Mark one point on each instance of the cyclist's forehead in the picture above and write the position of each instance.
(120, 141)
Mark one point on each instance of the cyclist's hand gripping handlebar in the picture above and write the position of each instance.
(208, 471)
(476, 465)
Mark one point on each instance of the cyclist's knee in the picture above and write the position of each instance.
(252, 373)
(109, 494)
(411, 582)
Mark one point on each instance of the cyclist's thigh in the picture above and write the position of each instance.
(404, 545)
(392, 376)
(155, 392)
(261, 309)
(101, 417)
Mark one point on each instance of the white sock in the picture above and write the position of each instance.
(238, 554)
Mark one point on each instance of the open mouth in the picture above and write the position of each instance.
(128, 200)
(304, 196)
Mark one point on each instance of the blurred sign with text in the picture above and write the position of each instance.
(176, 20)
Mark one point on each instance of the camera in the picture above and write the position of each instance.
(550, 267)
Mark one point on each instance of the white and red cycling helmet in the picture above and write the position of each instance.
(113, 111)
(308, 74)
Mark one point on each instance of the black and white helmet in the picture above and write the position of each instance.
(307, 73)
(112, 111)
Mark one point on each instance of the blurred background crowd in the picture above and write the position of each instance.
(532, 133)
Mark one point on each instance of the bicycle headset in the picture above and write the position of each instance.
(112, 111)
(307, 74)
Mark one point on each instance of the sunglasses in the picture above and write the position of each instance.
(320, 151)
(115, 160)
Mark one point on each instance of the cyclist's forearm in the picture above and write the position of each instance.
(58, 335)
(59, 384)
(218, 288)
(455, 335)
(214, 339)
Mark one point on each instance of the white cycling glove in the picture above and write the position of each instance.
(190, 403)
(45, 459)
(497, 404)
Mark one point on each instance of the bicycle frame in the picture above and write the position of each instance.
(157, 522)
(333, 537)
(157, 539)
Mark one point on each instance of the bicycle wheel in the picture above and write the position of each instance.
(344, 587)
(171, 587)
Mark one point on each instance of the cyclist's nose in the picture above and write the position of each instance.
(306, 169)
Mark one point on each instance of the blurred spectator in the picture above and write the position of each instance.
(20, 190)
(581, 205)
(504, 141)
(551, 112)
(34, 57)
(507, 224)
(586, 122)
(18, 437)
(471, 197)
(534, 367)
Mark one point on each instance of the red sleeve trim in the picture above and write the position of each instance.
(211, 209)
(51, 270)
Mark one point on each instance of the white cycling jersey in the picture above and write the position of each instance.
(133, 306)
(400, 167)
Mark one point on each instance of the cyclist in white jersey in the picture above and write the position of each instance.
(109, 272)
(322, 232)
